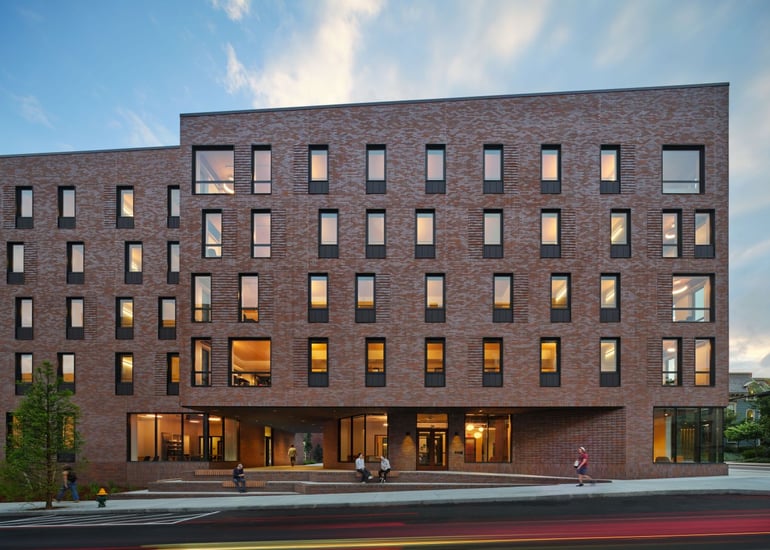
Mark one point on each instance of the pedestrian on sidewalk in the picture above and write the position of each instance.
(292, 454)
(361, 468)
(239, 478)
(69, 483)
(581, 465)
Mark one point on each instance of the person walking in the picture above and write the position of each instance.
(384, 469)
(581, 464)
(69, 483)
(239, 478)
(361, 468)
(292, 454)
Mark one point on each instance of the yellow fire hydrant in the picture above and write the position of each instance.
(101, 498)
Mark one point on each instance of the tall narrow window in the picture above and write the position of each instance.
(375, 234)
(75, 263)
(502, 288)
(318, 364)
(560, 298)
(75, 316)
(704, 362)
(262, 175)
(435, 373)
(201, 371)
(609, 298)
(550, 169)
(704, 234)
(174, 208)
(133, 273)
(691, 295)
(493, 169)
(172, 263)
(609, 362)
(172, 374)
(319, 169)
(620, 231)
(24, 368)
(670, 364)
(610, 169)
(328, 246)
(250, 362)
(375, 169)
(375, 362)
(260, 234)
(318, 295)
(435, 169)
(550, 368)
(550, 234)
(249, 298)
(201, 298)
(24, 219)
(365, 304)
(66, 371)
(214, 171)
(425, 245)
(682, 169)
(15, 273)
(167, 318)
(125, 207)
(212, 234)
(66, 208)
(435, 310)
(493, 362)
(493, 233)
(24, 325)
(124, 374)
(124, 319)
(670, 234)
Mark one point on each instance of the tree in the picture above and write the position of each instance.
(44, 431)
(743, 431)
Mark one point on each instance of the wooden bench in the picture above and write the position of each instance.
(249, 484)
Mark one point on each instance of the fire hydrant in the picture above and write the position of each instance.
(101, 498)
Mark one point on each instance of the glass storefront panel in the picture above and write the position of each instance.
(687, 435)
(487, 438)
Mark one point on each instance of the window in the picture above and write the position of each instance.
(487, 438)
(435, 176)
(704, 362)
(550, 375)
(124, 318)
(214, 171)
(670, 364)
(360, 433)
(550, 234)
(212, 233)
(327, 234)
(75, 263)
(66, 208)
(692, 299)
(375, 362)
(125, 207)
(375, 234)
(250, 362)
(493, 169)
(75, 316)
(133, 272)
(493, 233)
(172, 263)
(201, 371)
(66, 371)
(704, 234)
(435, 376)
(15, 273)
(610, 169)
(670, 234)
(560, 298)
(173, 374)
(124, 374)
(23, 373)
(260, 234)
(682, 169)
(201, 298)
(167, 318)
(174, 207)
(318, 295)
(687, 435)
(262, 171)
(550, 169)
(502, 289)
(435, 310)
(249, 298)
(319, 169)
(318, 362)
(609, 298)
(24, 327)
(24, 219)
(366, 311)
(375, 169)
(620, 234)
(425, 246)
(609, 362)
(493, 362)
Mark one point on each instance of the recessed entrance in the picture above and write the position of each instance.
(432, 441)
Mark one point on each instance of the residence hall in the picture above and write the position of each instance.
(469, 284)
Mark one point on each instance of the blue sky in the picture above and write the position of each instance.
(95, 74)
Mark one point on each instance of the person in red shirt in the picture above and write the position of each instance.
(582, 467)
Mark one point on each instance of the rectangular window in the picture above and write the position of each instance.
(609, 362)
(375, 169)
(24, 368)
(24, 219)
(249, 298)
(704, 362)
(425, 243)
(75, 263)
(172, 263)
(66, 208)
(318, 298)
(704, 234)
(550, 169)
(502, 289)
(75, 316)
(214, 171)
(550, 234)
(125, 207)
(201, 371)
(487, 438)
(319, 169)
(435, 171)
(550, 362)
(66, 371)
(691, 296)
(435, 374)
(167, 318)
(493, 363)
(493, 169)
(366, 312)
(328, 246)
(682, 169)
(610, 169)
(212, 233)
(24, 325)
(174, 207)
(560, 298)
(375, 234)
(173, 374)
(260, 234)
(133, 274)
(493, 233)
(375, 362)
(620, 234)
(687, 435)
(262, 171)
(201, 287)
(124, 318)
(124, 374)
(318, 363)
(671, 240)
(250, 362)
(670, 364)
(609, 298)
(15, 272)
(435, 309)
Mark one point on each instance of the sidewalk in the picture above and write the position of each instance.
(741, 481)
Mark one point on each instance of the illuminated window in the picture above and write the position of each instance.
(212, 234)
(704, 234)
(133, 274)
(201, 298)
(375, 362)
(250, 362)
(550, 362)
(15, 273)
(425, 246)
(172, 262)
(670, 234)
(166, 318)
(560, 298)
(75, 263)
(670, 363)
(318, 364)
(124, 374)
(493, 169)
(550, 169)
(124, 319)
(125, 207)
(327, 234)
(682, 169)
(375, 169)
(492, 375)
(201, 371)
(365, 299)
(375, 234)
(249, 298)
(174, 207)
(75, 316)
(172, 374)
(434, 362)
(24, 325)
(435, 310)
(319, 169)
(691, 295)
(687, 435)
(502, 289)
(66, 371)
(610, 169)
(262, 170)
(318, 303)
(24, 219)
(487, 438)
(260, 234)
(609, 362)
(214, 171)
(493, 234)
(24, 368)
(704, 362)
(66, 208)
(550, 234)
(609, 298)
(620, 230)
(435, 171)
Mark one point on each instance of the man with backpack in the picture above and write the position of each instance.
(69, 482)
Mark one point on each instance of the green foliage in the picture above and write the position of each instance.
(743, 431)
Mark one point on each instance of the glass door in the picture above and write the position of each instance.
(432, 447)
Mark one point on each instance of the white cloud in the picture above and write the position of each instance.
(141, 133)
(235, 9)
(625, 33)
(33, 111)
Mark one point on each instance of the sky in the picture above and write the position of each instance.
(81, 75)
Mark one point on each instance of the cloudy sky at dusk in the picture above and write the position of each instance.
(94, 74)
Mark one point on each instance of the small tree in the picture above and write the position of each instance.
(743, 431)
(307, 444)
(44, 430)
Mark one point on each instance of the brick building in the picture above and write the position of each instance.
(479, 284)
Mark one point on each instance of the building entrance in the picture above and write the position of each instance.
(431, 441)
